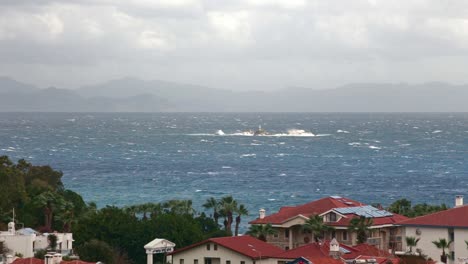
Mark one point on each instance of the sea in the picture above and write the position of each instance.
(129, 158)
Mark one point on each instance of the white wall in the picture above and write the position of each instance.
(224, 254)
(428, 235)
(20, 244)
(459, 245)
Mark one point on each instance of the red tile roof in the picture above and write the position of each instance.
(76, 262)
(321, 206)
(28, 261)
(454, 217)
(310, 250)
(308, 209)
(324, 260)
(245, 245)
(366, 250)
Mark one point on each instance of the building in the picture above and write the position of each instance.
(336, 211)
(27, 241)
(451, 224)
(227, 250)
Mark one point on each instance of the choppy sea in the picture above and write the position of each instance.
(128, 158)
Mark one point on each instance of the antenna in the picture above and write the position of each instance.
(13, 215)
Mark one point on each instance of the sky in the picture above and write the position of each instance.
(236, 45)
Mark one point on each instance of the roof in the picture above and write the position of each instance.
(245, 245)
(308, 209)
(28, 261)
(344, 206)
(454, 217)
(159, 243)
(321, 251)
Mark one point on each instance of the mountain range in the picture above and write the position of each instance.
(134, 95)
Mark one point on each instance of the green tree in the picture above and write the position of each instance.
(227, 206)
(241, 210)
(52, 241)
(316, 225)
(401, 206)
(443, 244)
(361, 225)
(411, 242)
(95, 251)
(261, 231)
(212, 203)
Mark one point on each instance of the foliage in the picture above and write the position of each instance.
(3, 249)
(443, 244)
(52, 241)
(316, 225)
(96, 250)
(262, 231)
(226, 207)
(40, 253)
(411, 242)
(360, 225)
(403, 207)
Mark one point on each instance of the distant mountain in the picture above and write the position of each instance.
(134, 95)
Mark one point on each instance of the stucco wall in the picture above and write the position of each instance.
(425, 243)
(20, 244)
(222, 253)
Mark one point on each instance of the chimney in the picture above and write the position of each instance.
(261, 213)
(49, 259)
(458, 200)
(11, 228)
(334, 249)
(9, 259)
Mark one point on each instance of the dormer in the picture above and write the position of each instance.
(331, 216)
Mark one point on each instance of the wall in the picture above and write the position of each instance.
(428, 235)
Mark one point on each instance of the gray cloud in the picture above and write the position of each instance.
(245, 44)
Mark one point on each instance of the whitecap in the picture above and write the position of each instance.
(249, 155)
(374, 147)
(255, 144)
(198, 190)
(342, 131)
(226, 167)
(354, 144)
(271, 199)
(436, 131)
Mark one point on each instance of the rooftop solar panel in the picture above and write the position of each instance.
(366, 211)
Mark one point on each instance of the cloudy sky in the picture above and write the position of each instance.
(243, 45)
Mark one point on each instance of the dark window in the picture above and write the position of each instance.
(207, 261)
(333, 233)
(242, 262)
(228, 262)
(332, 217)
(287, 248)
(195, 261)
(345, 235)
(207, 246)
(215, 247)
(453, 254)
(286, 233)
(181, 261)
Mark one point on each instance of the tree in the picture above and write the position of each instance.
(361, 226)
(227, 206)
(52, 241)
(212, 203)
(96, 250)
(401, 206)
(261, 231)
(443, 244)
(316, 225)
(241, 210)
(411, 242)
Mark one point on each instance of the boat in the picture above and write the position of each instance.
(260, 131)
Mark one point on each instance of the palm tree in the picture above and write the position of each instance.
(411, 242)
(317, 227)
(241, 210)
(443, 244)
(361, 226)
(261, 231)
(466, 242)
(213, 203)
(227, 206)
(179, 207)
(66, 216)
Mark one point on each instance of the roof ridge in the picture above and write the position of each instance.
(431, 214)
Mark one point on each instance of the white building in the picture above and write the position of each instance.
(451, 224)
(26, 241)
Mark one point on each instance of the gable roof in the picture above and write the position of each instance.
(454, 217)
(343, 206)
(245, 245)
(312, 208)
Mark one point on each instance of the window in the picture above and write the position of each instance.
(228, 262)
(345, 235)
(207, 261)
(286, 233)
(286, 248)
(207, 246)
(195, 261)
(332, 217)
(215, 247)
(333, 233)
(181, 261)
(242, 262)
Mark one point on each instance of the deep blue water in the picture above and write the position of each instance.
(121, 159)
